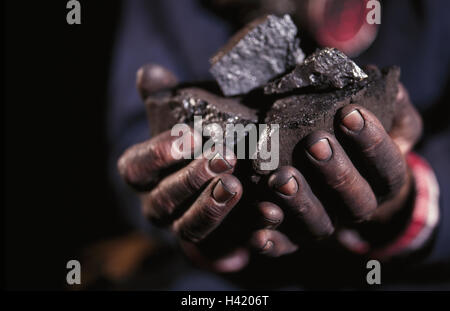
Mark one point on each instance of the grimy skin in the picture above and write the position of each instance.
(195, 200)
(192, 201)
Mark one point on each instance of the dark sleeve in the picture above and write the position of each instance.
(436, 151)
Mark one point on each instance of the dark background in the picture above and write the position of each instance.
(56, 194)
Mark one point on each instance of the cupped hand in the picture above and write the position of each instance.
(195, 197)
(356, 178)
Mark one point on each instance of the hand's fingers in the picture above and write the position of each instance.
(272, 243)
(387, 171)
(270, 215)
(210, 209)
(140, 164)
(152, 78)
(161, 203)
(407, 125)
(330, 160)
(296, 195)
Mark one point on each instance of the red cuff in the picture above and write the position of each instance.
(424, 217)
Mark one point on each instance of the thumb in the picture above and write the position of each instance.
(152, 78)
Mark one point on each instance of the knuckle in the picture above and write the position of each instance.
(127, 168)
(136, 166)
(212, 213)
(301, 210)
(375, 144)
(126, 171)
(364, 206)
(187, 234)
(195, 177)
(397, 177)
(158, 206)
(157, 153)
(122, 166)
(316, 220)
(347, 177)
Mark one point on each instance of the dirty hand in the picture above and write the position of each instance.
(195, 197)
(358, 178)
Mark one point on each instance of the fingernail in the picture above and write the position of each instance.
(288, 188)
(218, 164)
(353, 121)
(321, 150)
(267, 246)
(221, 194)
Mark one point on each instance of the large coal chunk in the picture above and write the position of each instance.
(182, 105)
(258, 53)
(326, 68)
(299, 115)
